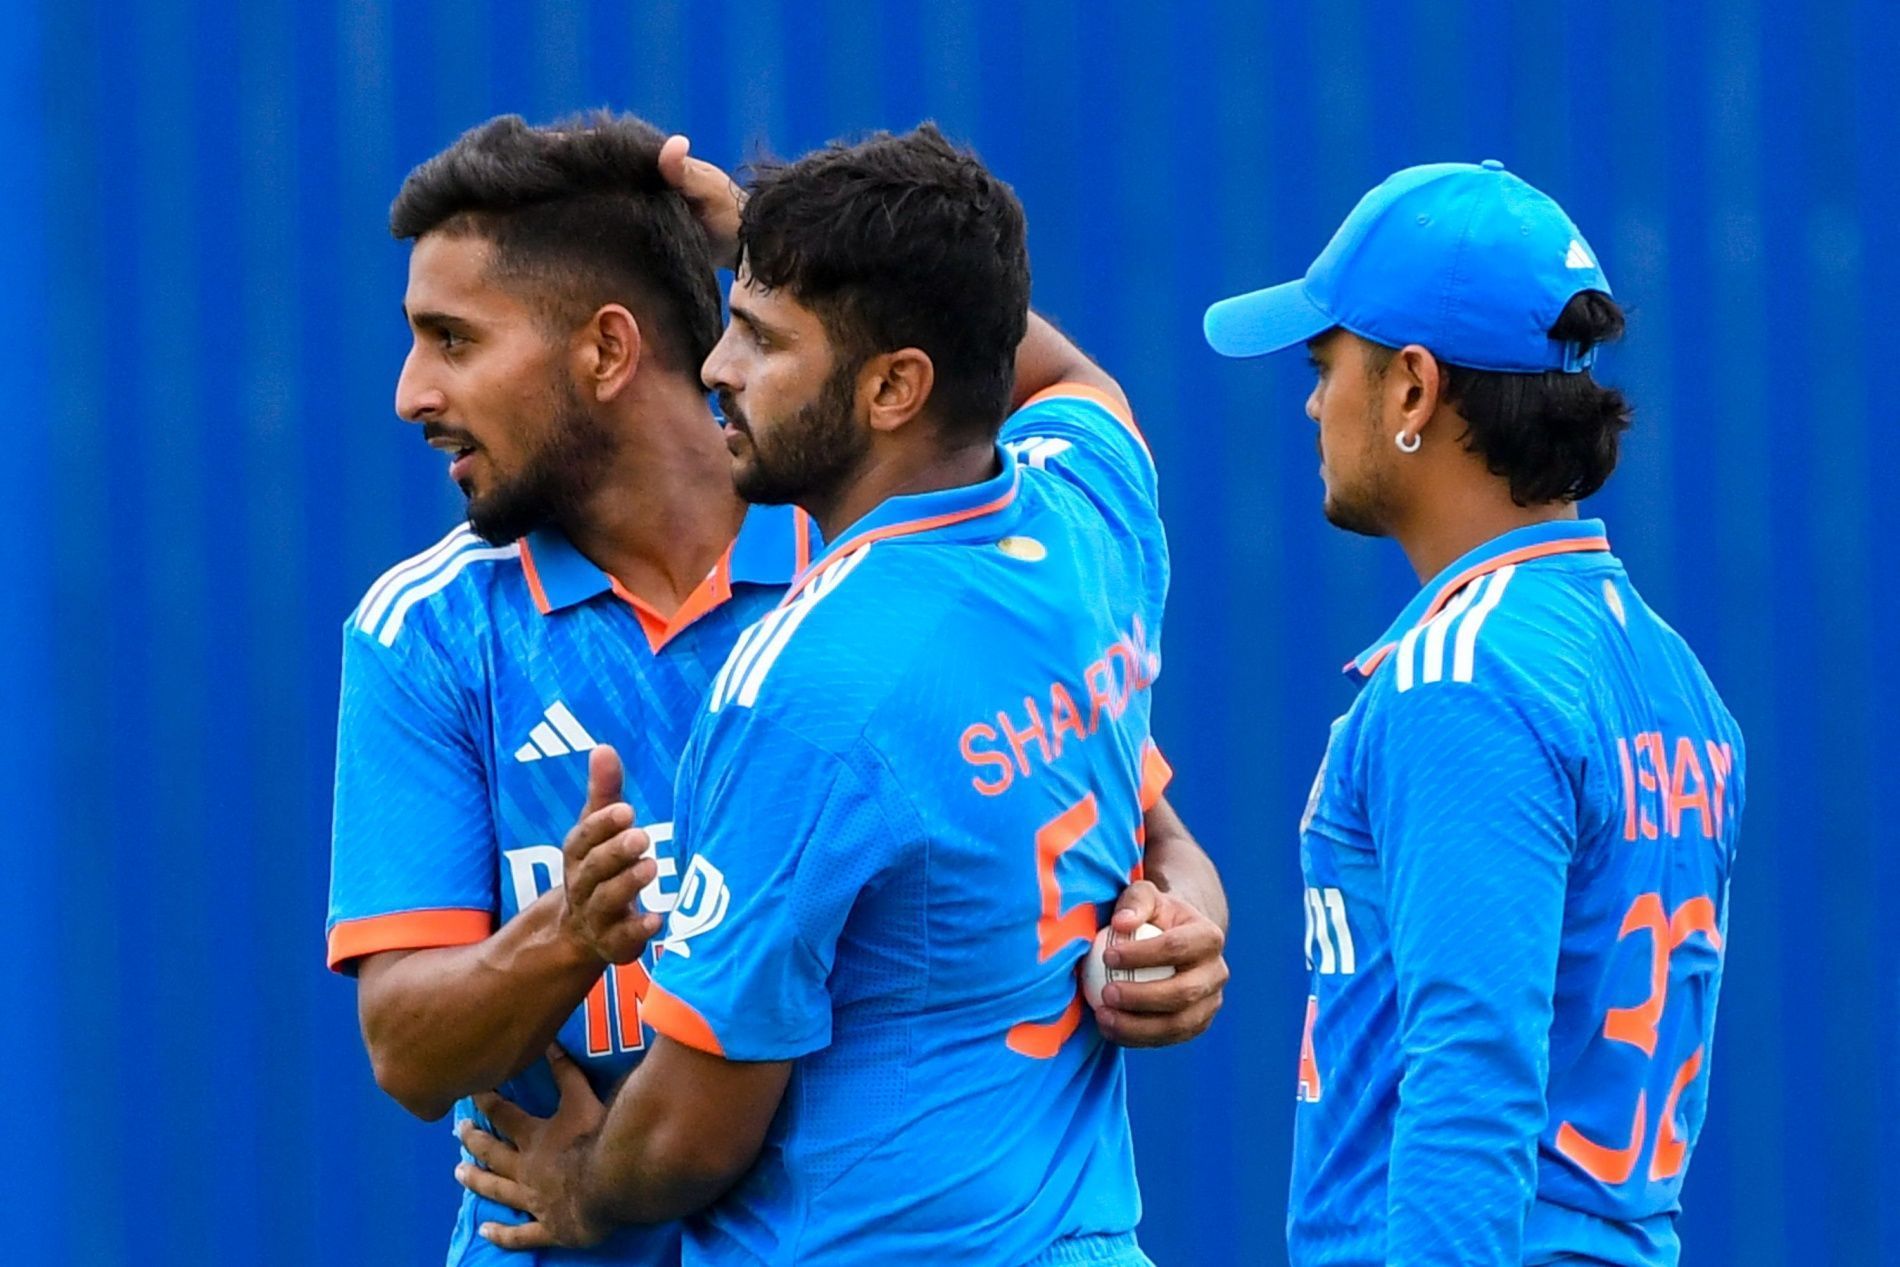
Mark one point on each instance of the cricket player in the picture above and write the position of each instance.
(916, 787)
(562, 300)
(1517, 850)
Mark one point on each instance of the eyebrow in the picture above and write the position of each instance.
(429, 319)
(742, 314)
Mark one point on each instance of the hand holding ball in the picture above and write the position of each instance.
(1096, 973)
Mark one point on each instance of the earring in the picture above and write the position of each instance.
(1408, 444)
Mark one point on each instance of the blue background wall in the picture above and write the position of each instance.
(202, 472)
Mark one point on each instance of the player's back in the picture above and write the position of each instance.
(1646, 921)
(968, 705)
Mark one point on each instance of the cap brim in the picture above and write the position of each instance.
(1264, 321)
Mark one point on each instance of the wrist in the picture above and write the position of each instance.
(556, 931)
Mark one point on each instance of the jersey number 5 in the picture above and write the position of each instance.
(1637, 1026)
(1056, 928)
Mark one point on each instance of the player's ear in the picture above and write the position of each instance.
(895, 386)
(1414, 383)
(609, 352)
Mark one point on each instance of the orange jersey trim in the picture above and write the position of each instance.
(709, 594)
(679, 1020)
(1156, 774)
(1579, 545)
(1082, 391)
(801, 528)
(904, 529)
(533, 577)
(406, 930)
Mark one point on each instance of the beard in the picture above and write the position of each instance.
(554, 482)
(808, 457)
(1364, 507)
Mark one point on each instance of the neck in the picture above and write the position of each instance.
(664, 511)
(899, 474)
(1450, 527)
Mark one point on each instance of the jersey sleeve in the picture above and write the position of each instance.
(412, 852)
(777, 839)
(1085, 436)
(1473, 808)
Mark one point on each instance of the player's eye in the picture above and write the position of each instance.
(449, 340)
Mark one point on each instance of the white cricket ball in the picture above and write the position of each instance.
(1096, 973)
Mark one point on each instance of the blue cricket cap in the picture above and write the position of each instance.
(1464, 259)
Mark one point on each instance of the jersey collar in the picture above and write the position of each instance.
(774, 544)
(1520, 545)
(961, 514)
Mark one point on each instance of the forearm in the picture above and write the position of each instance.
(444, 1023)
(680, 1131)
(635, 1170)
(1046, 357)
(1175, 863)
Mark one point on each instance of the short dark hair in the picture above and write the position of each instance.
(902, 241)
(1554, 435)
(578, 211)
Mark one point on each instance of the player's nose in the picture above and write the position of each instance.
(717, 373)
(416, 399)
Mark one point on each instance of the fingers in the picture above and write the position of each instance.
(1135, 907)
(568, 1078)
(1131, 1029)
(1184, 946)
(498, 1188)
(603, 889)
(496, 1154)
(595, 829)
(508, 1118)
(604, 779)
(518, 1236)
(1177, 993)
(673, 161)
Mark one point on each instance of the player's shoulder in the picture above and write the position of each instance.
(1525, 632)
(838, 646)
(439, 594)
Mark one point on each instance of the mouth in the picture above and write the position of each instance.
(461, 451)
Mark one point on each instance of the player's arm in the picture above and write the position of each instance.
(1180, 893)
(1047, 358)
(448, 1005)
(1473, 816)
(454, 1020)
(681, 1130)
(776, 861)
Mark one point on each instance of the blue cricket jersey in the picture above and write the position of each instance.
(1516, 858)
(475, 680)
(914, 793)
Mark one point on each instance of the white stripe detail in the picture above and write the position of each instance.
(1440, 625)
(381, 594)
(570, 727)
(746, 669)
(1467, 645)
(741, 656)
(435, 584)
(1404, 656)
(528, 752)
(826, 584)
(544, 738)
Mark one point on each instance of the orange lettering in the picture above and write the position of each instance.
(1064, 715)
(1101, 692)
(1721, 761)
(1309, 1063)
(1671, 1149)
(1629, 790)
(1649, 780)
(1679, 798)
(1005, 772)
(1033, 731)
